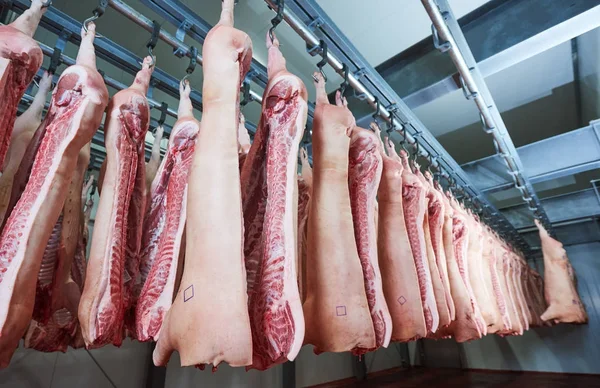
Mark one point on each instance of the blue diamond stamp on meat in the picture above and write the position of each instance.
(401, 300)
(340, 311)
(188, 293)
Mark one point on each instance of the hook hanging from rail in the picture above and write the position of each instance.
(277, 19)
(246, 97)
(151, 44)
(192, 66)
(344, 85)
(163, 113)
(377, 111)
(96, 13)
(323, 62)
(391, 125)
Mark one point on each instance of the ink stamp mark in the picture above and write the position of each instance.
(188, 293)
(340, 311)
(401, 300)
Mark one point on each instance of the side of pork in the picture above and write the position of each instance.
(20, 59)
(74, 115)
(109, 279)
(305, 183)
(214, 275)
(365, 168)
(165, 222)
(154, 162)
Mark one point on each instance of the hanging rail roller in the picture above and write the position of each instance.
(448, 37)
(163, 35)
(430, 147)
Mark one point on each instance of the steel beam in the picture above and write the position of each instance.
(562, 208)
(528, 27)
(312, 24)
(543, 160)
(451, 40)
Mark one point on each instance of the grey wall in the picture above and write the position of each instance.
(563, 348)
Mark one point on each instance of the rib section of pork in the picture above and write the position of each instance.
(208, 321)
(415, 206)
(336, 310)
(110, 273)
(560, 291)
(365, 167)
(20, 59)
(74, 115)
(269, 200)
(164, 223)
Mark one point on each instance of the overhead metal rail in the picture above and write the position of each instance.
(312, 24)
(166, 37)
(448, 37)
(581, 145)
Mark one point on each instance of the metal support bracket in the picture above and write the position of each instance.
(59, 47)
(315, 24)
(180, 34)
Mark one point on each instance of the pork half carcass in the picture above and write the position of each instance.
(560, 289)
(433, 206)
(414, 197)
(364, 173)
(24, 128)
(74, 115)
(336, 310)
(398, 272)
(164, 223)
(436, 217)
(492, 299)
(154, 162)
(270, 205)
(20, 59)
(112, 268)
(208, 321)
(305, 183)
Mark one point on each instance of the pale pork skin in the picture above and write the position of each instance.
(164, 223)
(432, 206)
(365, 167)
(415, 205)
(305, 183)
(398, 272)
(336, 310)
(74, 115)
(23, 131)
(208, 321)
(112, 267)
(154, 162)
(270, 205)
(20, 59)
(560, 290)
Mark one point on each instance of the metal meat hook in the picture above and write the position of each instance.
(277, 19)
